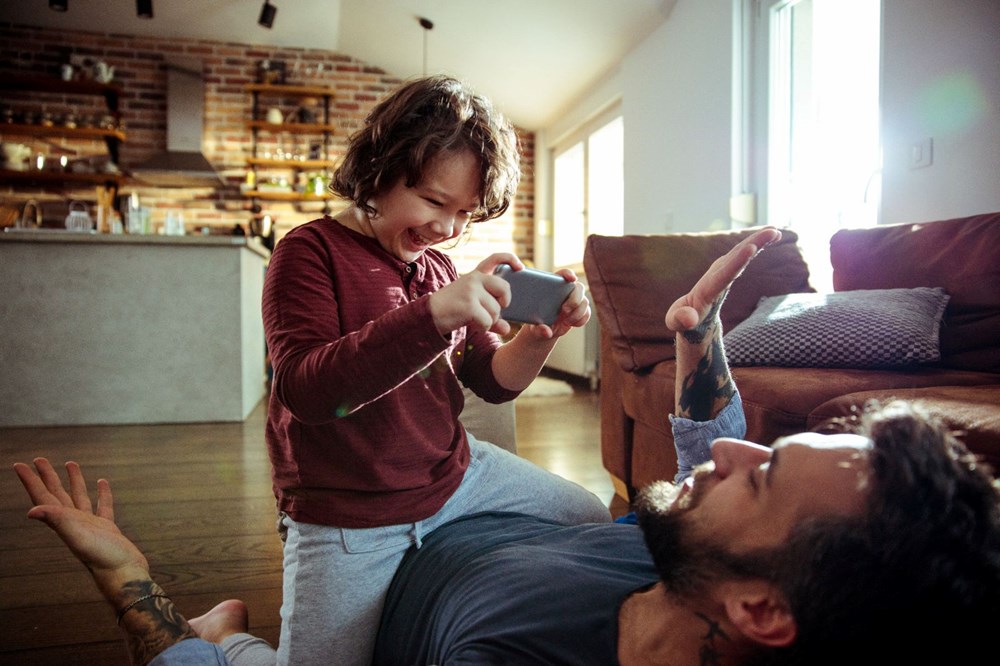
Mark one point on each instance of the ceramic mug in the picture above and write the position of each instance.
(103, 72)
(15, 156)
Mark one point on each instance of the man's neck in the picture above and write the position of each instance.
(655, 627)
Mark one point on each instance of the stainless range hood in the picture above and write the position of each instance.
(183, 164)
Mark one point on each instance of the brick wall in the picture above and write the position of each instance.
(227, 67)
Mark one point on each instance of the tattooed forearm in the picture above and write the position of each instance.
(153, 624)
(708, 388)
(707, 325)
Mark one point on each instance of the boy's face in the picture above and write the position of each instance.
(437, 209)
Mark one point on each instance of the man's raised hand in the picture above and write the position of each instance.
(690, 310)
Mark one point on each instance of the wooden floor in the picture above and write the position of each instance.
(197, 499)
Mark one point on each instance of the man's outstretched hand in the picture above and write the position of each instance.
(691, 309)
(91, 535)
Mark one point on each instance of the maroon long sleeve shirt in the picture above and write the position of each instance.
(363, 424)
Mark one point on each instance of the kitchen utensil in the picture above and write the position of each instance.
(78, 218)
(26, 222)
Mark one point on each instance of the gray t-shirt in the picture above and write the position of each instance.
(510, 589)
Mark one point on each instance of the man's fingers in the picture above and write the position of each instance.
(687, 312)
(52, 482)
(78, 488)
(105, 502)
(33, 483)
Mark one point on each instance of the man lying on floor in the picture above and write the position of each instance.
(863, 547)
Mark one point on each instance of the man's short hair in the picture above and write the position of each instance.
(914, 577)
(919, 573)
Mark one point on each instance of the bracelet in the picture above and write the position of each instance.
(121, 613)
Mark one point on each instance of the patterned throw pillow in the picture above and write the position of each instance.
(870, 328)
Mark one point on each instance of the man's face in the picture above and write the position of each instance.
(748, 499)
(751, 496)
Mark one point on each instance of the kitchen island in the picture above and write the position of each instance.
(129, 329)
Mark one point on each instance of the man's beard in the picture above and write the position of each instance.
(687, 561)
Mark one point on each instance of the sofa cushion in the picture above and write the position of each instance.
(972, 412)
(868, 328)
(634, 279)
(777, 402)
(961, 255)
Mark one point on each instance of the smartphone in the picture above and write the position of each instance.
(535, 296)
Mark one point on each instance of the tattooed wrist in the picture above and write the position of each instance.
(708, 388)
(151, 621)
(697, 335)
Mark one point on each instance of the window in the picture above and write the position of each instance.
(821, 76)
(588, 187)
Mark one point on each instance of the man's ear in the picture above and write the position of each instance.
(761, 613)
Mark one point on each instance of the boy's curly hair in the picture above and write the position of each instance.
(419, 121)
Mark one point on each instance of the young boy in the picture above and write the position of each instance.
(372, 334)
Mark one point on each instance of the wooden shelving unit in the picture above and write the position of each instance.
(112, 137)
(258, 127)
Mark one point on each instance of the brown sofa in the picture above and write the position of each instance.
(633, 279)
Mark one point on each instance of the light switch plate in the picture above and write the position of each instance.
(922, 153)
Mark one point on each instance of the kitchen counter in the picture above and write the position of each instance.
(62, 236)
(120, 329)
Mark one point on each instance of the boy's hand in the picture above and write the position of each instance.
(475, 299)
(573, 313)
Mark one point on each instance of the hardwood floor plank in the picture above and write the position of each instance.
(87, 622)
(197, 498)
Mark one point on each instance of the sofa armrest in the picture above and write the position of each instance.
(634, 279)
(488, 422)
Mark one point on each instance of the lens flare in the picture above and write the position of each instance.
(952, 103)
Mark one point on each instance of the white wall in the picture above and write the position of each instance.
(676, 92)
(941, 80)
(678, 105)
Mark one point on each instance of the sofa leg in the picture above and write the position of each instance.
(621, 488)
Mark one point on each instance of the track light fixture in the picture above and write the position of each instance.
(144, 8)
(267, 13)
(427, 25)
(59, 5)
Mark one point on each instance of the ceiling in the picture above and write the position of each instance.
(532, 57)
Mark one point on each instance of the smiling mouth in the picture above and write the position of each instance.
(423, 241)
(420, 240)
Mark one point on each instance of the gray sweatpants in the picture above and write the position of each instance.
(335, 579)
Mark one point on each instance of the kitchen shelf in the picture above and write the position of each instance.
(15, 129)
(279, 195)
(277, 89)
(110, 91)
(258, 126)
(112, 138)
(290, 164)
(50, 178)
(292, 128)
